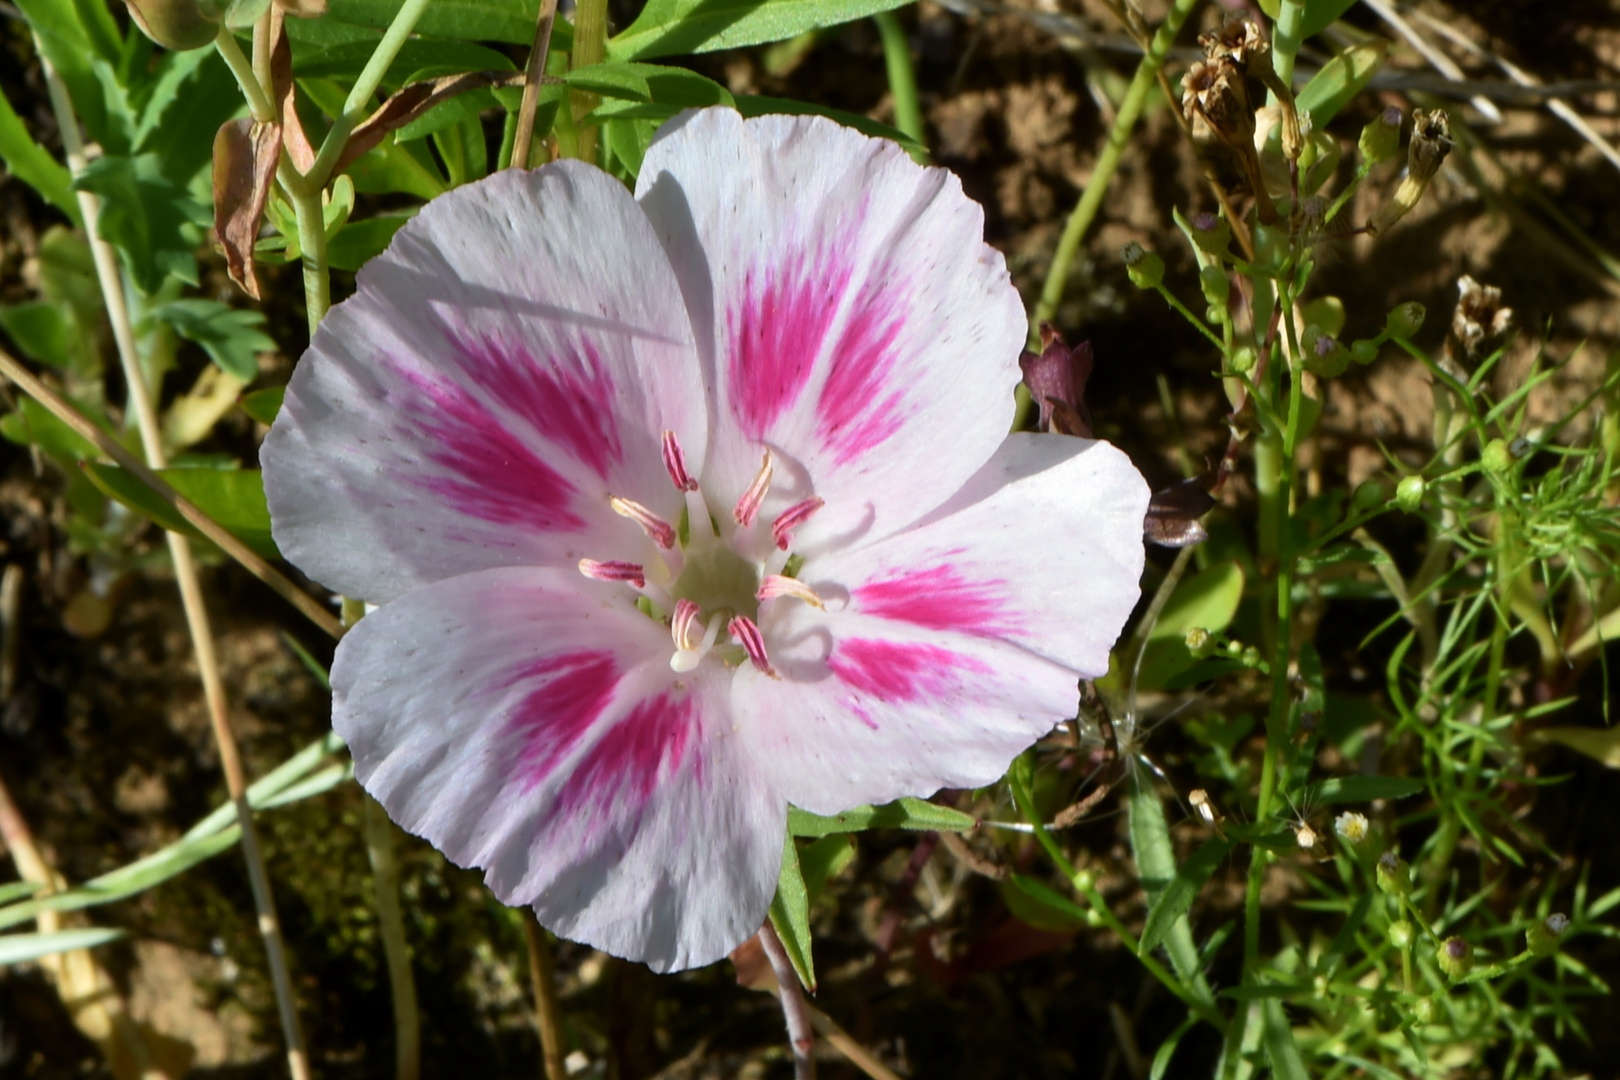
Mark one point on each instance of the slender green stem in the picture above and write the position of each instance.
(359, 99)
(312, 241)
(391, 929)
(1287, 38)
(1182, 310)
(258, 103)
(902, 81)
(590, 46)
(1142, 83)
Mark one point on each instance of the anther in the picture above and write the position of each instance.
(776, 585)
(792, 518)
(661, 531)
(748, 505)
(675, 462)
(614, 571)
(745, 633)
(683, 623)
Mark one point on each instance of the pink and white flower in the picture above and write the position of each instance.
(686, 506)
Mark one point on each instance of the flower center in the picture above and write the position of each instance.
(712, 582)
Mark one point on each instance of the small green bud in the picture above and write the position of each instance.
(1496, 457)
(1404, 320)
(1243, 360)
(1251, 657)
(1217, 286)
(180, 25)
(1401, 934)
(1215, 313)
(1324, 356)
(1364, 351)
(1381, 138)
(1369, 494)
(1542, 937)
(1424, 1010)
(1455, 958)
(1199, 642)
(1409, 493)
(1145, 268)
(1393, 875)
(1211, 232)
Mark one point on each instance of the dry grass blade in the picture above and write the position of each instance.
(1442, 63)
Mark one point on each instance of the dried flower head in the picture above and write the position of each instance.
(1480, 316)
(684, 506)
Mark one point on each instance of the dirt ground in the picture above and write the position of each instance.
(104, 740)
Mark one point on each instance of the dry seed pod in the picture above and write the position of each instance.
(1431, 142)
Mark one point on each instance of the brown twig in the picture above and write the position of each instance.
(533, 74)
(60, 408)
(547, 1015)
(795, 1010)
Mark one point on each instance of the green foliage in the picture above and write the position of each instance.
(152, 222)
(234, 498)
(903, 814)
(28, 162)
(674, 27)
(230, 336)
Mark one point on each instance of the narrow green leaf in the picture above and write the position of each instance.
(1340, 79)
(263, 405)
(629, 139)
(1361, 789)
(904, 814)
(346, 59)
(1042, 906)
(312, 665)
(511, 21)
(20, 948)
(1177, 898)
(790, 914)
(1167, 1049)
(824, 860)
(1156, 866)
(1321, 14)
(33, 165)
(234, 498)
(1207, 600)
(1277, 1036)
(17, 890)
(41, 331)
(33, 425)
(650, 82)
(674, 27)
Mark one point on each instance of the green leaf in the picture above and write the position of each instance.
(229, 335)
(195, 92)
(673, 27)
(360, 241)
(629, 139)
(1174, 902)
(1167, 1049)
(1277, 1036)
(17, 890)
(41, 331)
(1340, 79)
(903, 814)
(511, 21)
(234, 498)
(1041, 906)
(20, 948)
(63, 41)
(650, 82)
(1344, 789)
(30, 163)
(790, 914)
(446, 114)
(147, 217)
(756, 105)
(1156, 866)
(34, 425)
(346, 59)
(1207, 600)
(824, 860)
(263, 405)
(1321, 14)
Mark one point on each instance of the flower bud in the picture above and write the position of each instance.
(1455, 958)
(1243, 360)
(1324, 356)
(1217, 287)
(1211, 232)
(1542, 937)
(1393, 875)
(1364, 351)
(1382, 137)
(180, 25)
(1404, 320)
(1251, 657)
(1369, 494)
(1496, 457)
(1145, 268)
(1199, 642)
(1409, 493)
(1401, 934)
(1351, 826)
(1424, 1010)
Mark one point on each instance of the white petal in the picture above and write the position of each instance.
(508, 363)
(848, 311)
(527, 722)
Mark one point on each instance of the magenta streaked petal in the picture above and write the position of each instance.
(523, 727)
(899, 671)
(1041, 548)
(510, 361)
(849, 313)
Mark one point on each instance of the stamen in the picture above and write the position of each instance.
(661, 531)
(675, 462)
(680, 627)
(748, 505)
(614, 571)
(745, 633)
(792, 518)
(776, 585)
